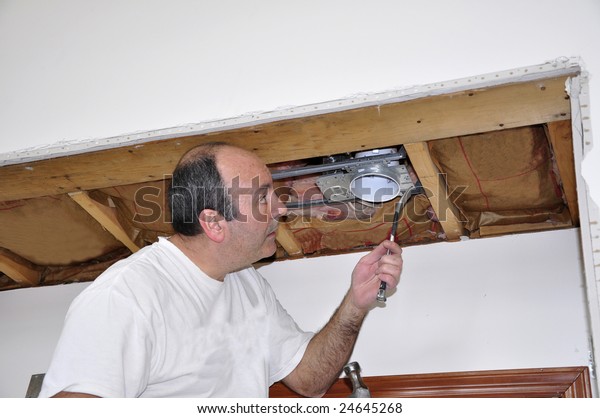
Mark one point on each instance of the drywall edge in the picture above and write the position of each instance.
(588, 215)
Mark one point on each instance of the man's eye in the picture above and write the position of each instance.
(262, 199)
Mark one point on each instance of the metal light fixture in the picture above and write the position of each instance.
(370, 180)
(374, 176)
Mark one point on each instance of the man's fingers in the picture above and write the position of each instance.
(392, 246)
(381, 250)
(390, 278)
(389, 268)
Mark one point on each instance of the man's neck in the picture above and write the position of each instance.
(202, 254)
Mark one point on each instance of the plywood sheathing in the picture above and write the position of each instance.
(508, 179)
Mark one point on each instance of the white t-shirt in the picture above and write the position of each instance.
(154, 325)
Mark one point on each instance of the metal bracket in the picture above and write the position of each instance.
(339, 165)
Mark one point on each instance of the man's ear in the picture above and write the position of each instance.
(213, 224)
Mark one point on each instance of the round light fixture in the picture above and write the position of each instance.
(377, 183)
(375, 187)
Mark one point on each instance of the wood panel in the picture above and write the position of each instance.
(423, 119)
(560, 382)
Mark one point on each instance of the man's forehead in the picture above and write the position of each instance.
(238, 165)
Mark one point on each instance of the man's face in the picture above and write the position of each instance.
(251, 187)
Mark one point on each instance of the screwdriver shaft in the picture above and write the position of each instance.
(382, 286)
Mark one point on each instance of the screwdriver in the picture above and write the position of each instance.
(381, 292)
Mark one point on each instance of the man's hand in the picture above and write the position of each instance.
(330, 348)
(371, 270)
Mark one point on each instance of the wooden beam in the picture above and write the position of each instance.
(492, 230)
(19, 269)
(106, 216)
(83, 272)
(561, 138)
(436, 189)
(287, 240)
(433, 117)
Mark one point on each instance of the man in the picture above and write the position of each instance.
(189, 317)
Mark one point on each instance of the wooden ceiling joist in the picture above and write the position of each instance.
(83, 272)
(561, 138)
(18, 269)
(286, 239)
(493, 230)
(433, 117)
(436, 190)
(106, 216)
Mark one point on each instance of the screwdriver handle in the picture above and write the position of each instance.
(383, 285)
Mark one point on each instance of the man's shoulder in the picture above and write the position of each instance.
(249, 273)
(250, 278)
(140, 269)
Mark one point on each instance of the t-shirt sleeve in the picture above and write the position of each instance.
(287, 342)
(104, 349)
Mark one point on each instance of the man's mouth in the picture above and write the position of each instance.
(273, 230)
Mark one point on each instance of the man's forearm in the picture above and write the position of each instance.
(328, 351)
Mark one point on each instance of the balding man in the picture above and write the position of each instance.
(190, 317)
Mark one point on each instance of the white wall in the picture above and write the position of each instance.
(76, 70)
(496, 303)
(31, 323)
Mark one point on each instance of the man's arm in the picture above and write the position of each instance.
(330, 348)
